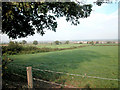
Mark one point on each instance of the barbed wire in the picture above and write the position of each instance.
(19, 75)
(51, 82)
(77, 75)
(36, 79)
(74, 74)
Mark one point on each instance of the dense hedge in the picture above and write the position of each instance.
(24, 50)
(12, 48)
(15, 48)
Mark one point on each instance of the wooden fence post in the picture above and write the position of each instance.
(29, 77)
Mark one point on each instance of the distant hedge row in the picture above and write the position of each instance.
(12, 48)
(24, 50)
(15, 48)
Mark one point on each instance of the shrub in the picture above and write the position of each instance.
(5, 62)
(109, 42)
(12, 48)
(92, 43)
(35, 42)
(57, 42)
(24, 42)
(29, 48)
(67, 42)
(97, 42)
(80, 43)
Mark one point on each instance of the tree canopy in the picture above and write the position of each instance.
(24, 42)
(35, 42)
(57, 42)
(21, 19)
(67, 42)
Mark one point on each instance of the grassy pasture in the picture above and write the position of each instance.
(108, 44)
(58, 46)
(99, 61)
(63, 45)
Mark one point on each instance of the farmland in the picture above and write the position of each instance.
(97, 61)
(57, 46)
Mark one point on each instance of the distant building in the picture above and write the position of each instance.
(116, 42)
(76, 42)
(85, 42)
(94, 42)
(88, 42)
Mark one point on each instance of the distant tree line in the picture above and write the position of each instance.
(17, 48)
(58, 42)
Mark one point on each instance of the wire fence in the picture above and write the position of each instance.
(77, 74)
(69, 74)
(50, 71)
(36, 79)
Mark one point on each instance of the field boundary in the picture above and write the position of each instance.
(76, 74)
(59, 84)
(106, 45)
(36, 79)
(72, 74)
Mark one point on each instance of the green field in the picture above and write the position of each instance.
(62, 45)
(58, 46)
(99, 61)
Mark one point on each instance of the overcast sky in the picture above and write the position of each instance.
(101, 24)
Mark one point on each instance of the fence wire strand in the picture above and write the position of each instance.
(36, 79)
(77, 75)
(51, 82)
